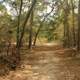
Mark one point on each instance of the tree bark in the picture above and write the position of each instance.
(25, 22)
(18, 26)
(78, 42)
(66, 26)
(31, 31)
(73, 23)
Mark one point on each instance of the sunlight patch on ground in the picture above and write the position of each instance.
(50, 44)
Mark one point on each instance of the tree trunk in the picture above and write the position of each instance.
(40, 26)
(23, 30)
(18, 26)
(30, 31)
(78, 42)
(66, 26)
(26, 20)
(36, 35)
(73, 23)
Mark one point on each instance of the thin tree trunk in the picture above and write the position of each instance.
(36, 35)
(78, 42)
(31, 31)
(8, 48)
(25, 22)
(40, 26)
(73, 21)
(18, 26)
(66, 26)
(18, 33)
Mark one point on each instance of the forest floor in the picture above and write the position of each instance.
(47, 62)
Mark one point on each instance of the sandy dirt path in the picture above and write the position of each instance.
(46, 65)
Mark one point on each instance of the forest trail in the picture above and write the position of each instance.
(47, 63)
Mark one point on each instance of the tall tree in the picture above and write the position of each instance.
(31, 30)
(78, 42)
(73, 22)
(66, 25)
(18, 26)
(41, 25)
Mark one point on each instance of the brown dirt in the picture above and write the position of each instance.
(47, 63)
